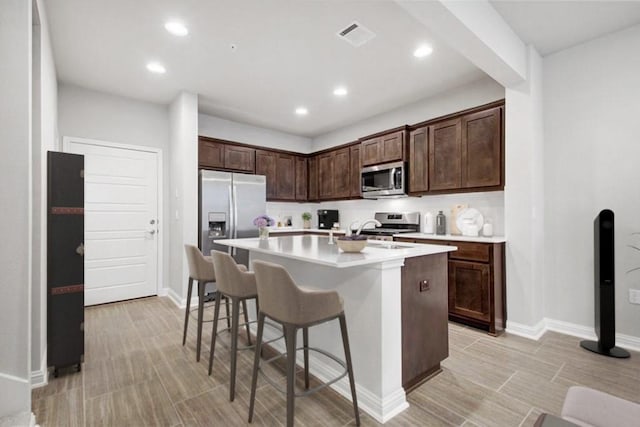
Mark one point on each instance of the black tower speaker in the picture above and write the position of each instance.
(604, 288)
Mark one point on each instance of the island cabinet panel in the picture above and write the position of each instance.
(285, 177)
(418, 161)
(356, 167)
(477, 285)
(211, 154)
(302, 188)
(383, 149)
(425, 339)
(239, 158)
(341, 173)
(482, 149)
(267, 164)
(445, 156)
(313, 178)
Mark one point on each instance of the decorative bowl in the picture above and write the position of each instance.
(348, 244)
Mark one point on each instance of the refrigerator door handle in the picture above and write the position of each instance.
(235, 213)
(232, 220)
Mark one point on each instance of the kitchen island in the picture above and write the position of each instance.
(395, 302)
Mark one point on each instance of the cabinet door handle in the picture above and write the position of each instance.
(80, 249)
(424, 285)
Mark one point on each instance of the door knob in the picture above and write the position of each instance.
(153, 221)
(80, 249)
(152, 231)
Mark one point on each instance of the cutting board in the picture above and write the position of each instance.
(453, 227)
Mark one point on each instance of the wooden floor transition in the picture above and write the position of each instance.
(137, 373)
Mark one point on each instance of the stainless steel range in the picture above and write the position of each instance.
(393, 223)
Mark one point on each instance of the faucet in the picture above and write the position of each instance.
(350, 228)
(368, 221)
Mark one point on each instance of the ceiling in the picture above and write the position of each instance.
(287, 53)
(552, 26)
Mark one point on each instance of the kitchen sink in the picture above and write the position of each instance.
(387, 245)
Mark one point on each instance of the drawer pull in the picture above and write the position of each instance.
(424, 285)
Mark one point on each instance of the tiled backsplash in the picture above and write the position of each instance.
(490, 204)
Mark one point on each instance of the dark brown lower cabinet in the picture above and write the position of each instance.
(65, 260)
(477, 287)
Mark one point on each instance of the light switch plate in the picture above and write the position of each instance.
(634, 296)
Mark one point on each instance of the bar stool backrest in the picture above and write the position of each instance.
(233, 279)
(281, 299)
(200, 268)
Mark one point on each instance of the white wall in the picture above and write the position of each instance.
(490, 204)
(477, 93)
(183, 124)
(91, 114)
(592, 157)
(15, 199)
(524, 201)
(216, 127)
(45, 138)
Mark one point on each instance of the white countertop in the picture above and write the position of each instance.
(454, 238)
(316, 249)
(276, 230)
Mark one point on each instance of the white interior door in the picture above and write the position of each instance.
(121, 220)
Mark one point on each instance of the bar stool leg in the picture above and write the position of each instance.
(201, 287)
(256, 364)
(347, 356)
(290, 333)
(246, 320)
(186, 312)
(305, 344)
(235, 304)
(214, 332)
(226, 302)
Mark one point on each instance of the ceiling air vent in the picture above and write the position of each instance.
(356, 34)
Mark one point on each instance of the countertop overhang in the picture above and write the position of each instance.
(316, 249)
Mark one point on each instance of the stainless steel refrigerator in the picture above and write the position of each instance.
(227, 205)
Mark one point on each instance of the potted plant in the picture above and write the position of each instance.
(306, 220)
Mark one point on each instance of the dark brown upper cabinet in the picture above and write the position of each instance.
(266, 164)
(326, 175)
(482, 149)
(214, 154)
(342, 175)
(445, 170)
(334, 180)
(286, 177)
(211, 154)
(312, 176)
(301, 179)
(280, 170)
(383, 149)
(418, 160)
(355, 170)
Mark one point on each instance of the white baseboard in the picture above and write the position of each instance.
(628, 342)
(177, 299)
(532, 332)
(40, 378)
(163, 292)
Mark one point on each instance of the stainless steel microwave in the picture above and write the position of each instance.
(387, 180)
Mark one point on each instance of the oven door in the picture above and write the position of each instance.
(383, 180)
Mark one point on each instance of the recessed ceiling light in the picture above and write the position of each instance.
(301, 111)
(340, 91)
(422, 51)
(156, 67)
(176, 28)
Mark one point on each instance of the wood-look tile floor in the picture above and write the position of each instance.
(137, 373)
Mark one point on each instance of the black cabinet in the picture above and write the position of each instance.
(65, 260)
